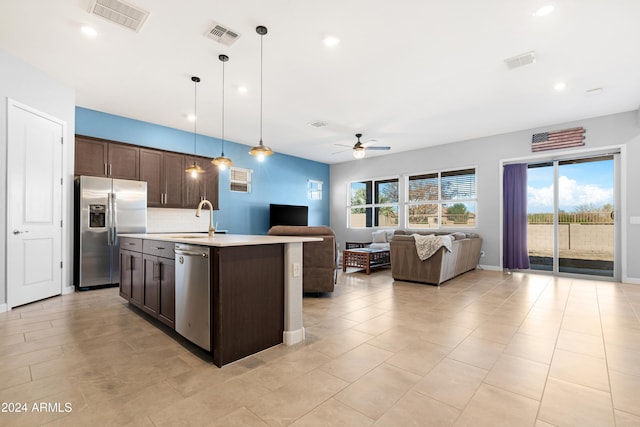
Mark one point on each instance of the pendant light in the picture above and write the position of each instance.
(194, 170)
(222, 162)
(261, 150)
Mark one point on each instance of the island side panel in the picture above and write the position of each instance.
(248, 300)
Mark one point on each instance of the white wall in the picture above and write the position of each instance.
(25, 84)
(486, 154)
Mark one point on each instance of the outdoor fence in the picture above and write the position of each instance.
(583, 231)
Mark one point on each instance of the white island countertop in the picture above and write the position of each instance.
(221, 240)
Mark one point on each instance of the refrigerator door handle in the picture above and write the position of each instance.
(108, 219)
(114, 215)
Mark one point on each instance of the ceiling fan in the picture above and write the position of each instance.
(360, 148)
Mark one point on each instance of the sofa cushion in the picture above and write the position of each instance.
(458, 235)
(384, 246)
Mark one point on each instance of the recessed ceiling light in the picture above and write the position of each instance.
(242, 89)
(191, 117)
(331, 41)
(560, 86)
(544, 10)
(88, 31)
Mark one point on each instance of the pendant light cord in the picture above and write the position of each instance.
(261, 85)
(223, 108)
(195, 114)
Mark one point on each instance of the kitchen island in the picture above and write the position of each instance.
(255, 287)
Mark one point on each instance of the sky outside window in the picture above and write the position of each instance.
(581, 184)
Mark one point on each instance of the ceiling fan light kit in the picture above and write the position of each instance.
(221, 161)
(194, 170)
(360, 149)
(261, 151)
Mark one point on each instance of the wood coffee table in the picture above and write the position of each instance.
(366, 258)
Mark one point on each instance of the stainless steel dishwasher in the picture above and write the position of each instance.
(193, 294)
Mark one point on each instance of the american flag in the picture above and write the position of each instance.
(573, 137)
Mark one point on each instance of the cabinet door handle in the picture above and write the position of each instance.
(109, 169)
(105, 169)
(131, 259)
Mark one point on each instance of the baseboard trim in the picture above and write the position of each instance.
(293, 337)
(631, 280)
(489, 267)
(68, 290)
(3, 308)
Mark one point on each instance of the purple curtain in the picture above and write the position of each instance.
(515, 251)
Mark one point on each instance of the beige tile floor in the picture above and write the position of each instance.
(485, 349)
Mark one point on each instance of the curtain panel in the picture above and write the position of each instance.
(515, 253)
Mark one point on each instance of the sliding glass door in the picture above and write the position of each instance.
(571, 220)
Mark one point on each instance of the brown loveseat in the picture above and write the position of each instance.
(441, 266)
(319, 258)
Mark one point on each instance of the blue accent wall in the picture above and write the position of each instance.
(279, 179)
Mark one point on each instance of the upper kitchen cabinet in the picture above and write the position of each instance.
(164, 173)
(204, 186)
(99, 157)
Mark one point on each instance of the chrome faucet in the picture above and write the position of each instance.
(199, 210)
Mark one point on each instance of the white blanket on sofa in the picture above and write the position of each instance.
(429, 245)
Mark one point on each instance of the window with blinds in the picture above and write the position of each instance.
(240, 180)
(442, 199)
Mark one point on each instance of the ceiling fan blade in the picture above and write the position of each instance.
(341, 151)
(377, 148)
(343, 145)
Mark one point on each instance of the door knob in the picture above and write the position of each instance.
(19, 232)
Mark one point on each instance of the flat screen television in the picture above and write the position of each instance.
(288, 215)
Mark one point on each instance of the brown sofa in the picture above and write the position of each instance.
(319, 258)
(441, 266)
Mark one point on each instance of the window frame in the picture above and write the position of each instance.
(371, 206)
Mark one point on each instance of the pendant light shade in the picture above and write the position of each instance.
(261, 151)
(221, 161)
(194, 170)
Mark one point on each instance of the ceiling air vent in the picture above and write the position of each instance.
(521, 60)
(318, 123)
(222, 34)
(119, 12)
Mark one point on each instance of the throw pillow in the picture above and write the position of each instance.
(379, 236)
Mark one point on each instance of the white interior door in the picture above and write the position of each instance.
(34, 205)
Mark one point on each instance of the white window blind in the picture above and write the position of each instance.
(442, 199)
(240, 180)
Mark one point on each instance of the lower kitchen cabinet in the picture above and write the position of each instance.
(131, 270)
(130, 275)
(159, 288)
(147, 280)
(167, 292)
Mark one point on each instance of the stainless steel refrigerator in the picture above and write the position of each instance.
(104, 207)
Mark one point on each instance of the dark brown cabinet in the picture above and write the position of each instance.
(167, 292)
(164, 173)
(159, 289)
(147, 277)
(131, 280)
(98, 157)
(168, 185)
(204, 186)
